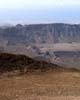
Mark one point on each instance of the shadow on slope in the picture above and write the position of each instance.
(24, 64)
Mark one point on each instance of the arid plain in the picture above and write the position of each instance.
(41, 86)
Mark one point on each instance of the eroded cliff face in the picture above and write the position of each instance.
(41, 33)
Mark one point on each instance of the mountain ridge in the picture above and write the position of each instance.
(41, 33)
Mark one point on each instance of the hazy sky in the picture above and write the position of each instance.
(39, 11)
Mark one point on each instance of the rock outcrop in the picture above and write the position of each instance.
(41, 33)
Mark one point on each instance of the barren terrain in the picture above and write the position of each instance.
(41, 86)
(24, 78)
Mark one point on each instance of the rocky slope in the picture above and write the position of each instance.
(40, 33)
(22, 63)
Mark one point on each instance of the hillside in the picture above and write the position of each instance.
(24, 64)
(36, 80)
(49, 85)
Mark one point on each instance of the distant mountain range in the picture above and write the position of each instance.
(40, 33)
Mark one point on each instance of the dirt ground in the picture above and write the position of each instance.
(41, 86)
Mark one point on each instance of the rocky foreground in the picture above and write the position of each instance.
(41, 86)
(37, 80)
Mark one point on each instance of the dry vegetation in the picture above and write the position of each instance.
(41, 86)
(55, 83)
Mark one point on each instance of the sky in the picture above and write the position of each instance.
(39, 11)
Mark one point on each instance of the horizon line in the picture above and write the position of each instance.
(42, 23)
